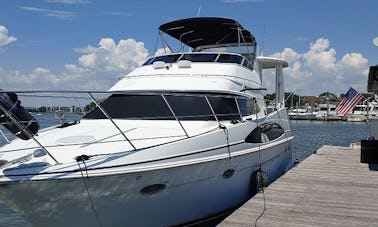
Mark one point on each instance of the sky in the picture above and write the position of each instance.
(90, 44)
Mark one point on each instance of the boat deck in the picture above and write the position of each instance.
(329, 188)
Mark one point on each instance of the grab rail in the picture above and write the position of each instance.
(25, 130)
(163, 94)
(111, 120)
(174, 115)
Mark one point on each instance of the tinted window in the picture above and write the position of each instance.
(190, 107)
(246, 63)
(166, 58)
(199, 57)
(133, 106)
(228, 58)
(248, 106)
(185, 107)
(265, 133)
(224, 108)
(148, 61)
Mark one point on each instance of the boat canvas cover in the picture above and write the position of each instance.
(208, 31)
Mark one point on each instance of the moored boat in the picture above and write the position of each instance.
(185, 136)
(368, 110)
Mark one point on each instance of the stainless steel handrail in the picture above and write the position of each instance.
(174, 115)
(111, 120)
(25, 130)
(4, 136)
(212, 110)
(237, 106)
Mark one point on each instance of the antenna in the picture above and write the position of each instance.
(199, 11)
(263, 42)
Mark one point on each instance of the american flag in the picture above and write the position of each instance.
(348, 102)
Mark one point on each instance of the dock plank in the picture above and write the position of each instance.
(329, 188)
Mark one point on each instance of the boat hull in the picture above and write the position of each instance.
(176, 195)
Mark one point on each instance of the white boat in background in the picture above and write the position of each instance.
(363, 112)
(183, 137)
(327, 112)
(302, 113)
(59, 115)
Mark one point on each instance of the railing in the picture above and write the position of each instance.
(214, 114)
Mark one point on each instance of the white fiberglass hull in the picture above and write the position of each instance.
(190, 192)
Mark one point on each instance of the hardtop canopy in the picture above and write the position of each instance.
(208, 32)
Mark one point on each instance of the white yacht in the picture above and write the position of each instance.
(327, 112)
(302, 113)
(363, 112)
(181, 138)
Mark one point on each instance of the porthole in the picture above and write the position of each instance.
(228, 173)
(152, 189)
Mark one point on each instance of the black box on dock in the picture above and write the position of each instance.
(369, 151)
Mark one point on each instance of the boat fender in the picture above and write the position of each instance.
(10, 102)
(259, 180)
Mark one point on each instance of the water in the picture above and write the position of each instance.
(309, 136)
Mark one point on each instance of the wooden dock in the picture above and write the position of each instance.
(329, 188)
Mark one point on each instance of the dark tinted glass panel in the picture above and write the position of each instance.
(228, 58)
(199, 57)
(242, 102)
(246, 63)
(248, 106)
(272, 130)
(130, 107)
(190, 107)
(154, 107)
(224, 108)
(265, 133)
(148, 61)
(166, 58)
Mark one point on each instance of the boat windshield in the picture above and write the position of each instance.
(184, 107)
(203, 57)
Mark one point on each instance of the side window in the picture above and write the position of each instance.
(265, 133)
(228, 58)
(248, 106)
(225, 108)
(245, 63)
(190, 107)
(121, 106)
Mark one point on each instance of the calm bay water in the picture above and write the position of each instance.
(309, 136)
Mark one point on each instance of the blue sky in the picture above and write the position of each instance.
(89, 44)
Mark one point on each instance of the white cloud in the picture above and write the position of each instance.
(162, 51)
(69, 1)
(354, 61)
(119, 13)
(319, 57)
(317, 70)
(5, 39)
(288, 55)
(98, 68)
(63, 15)
(116, 58)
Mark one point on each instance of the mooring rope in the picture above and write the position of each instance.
(225, 130)
(263, 211)
(79, 159)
